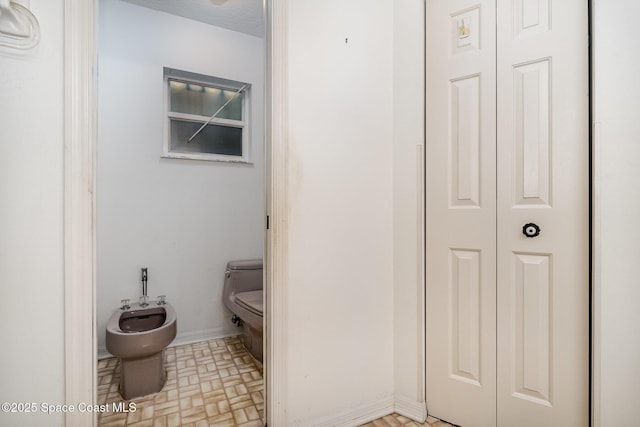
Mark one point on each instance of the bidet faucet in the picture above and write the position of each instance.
(144, 287)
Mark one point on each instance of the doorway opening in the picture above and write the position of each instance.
(184, 212)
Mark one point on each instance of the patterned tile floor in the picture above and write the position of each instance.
(394, 420)
(211, 383)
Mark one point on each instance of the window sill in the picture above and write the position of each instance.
(207, 157)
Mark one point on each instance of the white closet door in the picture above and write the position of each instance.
(507, 315)
(461, 211)
(543, 178)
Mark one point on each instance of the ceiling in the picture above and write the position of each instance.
(244, 16)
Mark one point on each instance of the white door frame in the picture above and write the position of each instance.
(80, 132)
(80, 138)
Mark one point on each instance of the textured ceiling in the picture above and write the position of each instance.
(244, 16)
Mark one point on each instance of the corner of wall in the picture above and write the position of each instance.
(410, 408)
(354, 417)
(408, 195)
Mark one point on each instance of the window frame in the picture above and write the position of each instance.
(170, 74)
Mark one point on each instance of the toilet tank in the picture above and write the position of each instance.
(243, 276)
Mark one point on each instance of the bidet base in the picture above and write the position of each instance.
(142, 376)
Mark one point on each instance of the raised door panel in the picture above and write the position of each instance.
(464, 142)
(531, 16)
(464, 316)
(532, 328)
(532, 137)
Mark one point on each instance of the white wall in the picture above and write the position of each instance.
(408, 103)
(31, 221)
(616, 67)
(340, 244)
(182, 219)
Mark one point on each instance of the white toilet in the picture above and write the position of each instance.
(243, 295)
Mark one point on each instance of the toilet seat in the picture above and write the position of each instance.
(251, 301)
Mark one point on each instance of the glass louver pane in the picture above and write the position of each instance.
(202, 100)
(213, 139)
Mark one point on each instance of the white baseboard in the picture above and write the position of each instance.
(189, 338)
(207, 334)
(103, 353)
(409, 408)
(356, 416)
(370, 411)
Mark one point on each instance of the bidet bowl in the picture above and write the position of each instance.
(141, 331)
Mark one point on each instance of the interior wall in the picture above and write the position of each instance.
(31, 221)
(616, 103)
(340, 231)
(182, 219)
(408, 158)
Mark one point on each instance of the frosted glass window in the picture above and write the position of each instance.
(191, 101)
(202, 100)
(213, 139)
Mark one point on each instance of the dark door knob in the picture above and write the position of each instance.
(531, 230)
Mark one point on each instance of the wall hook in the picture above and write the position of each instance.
(19, 28)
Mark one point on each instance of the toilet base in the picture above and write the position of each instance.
(143, 376)
(252, 341)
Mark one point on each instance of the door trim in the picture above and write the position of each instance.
(80, 135)
(596, 271)
(277, 193)
(595, 254)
